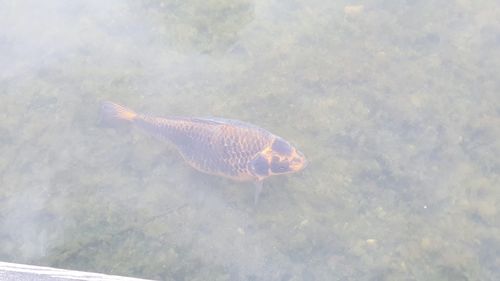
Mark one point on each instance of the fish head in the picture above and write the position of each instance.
(278, 158)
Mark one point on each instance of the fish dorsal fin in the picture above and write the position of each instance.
(224, 121)
(210, 120)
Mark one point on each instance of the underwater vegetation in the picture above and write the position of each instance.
(394, 103)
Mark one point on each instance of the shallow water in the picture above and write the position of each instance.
(396, 105)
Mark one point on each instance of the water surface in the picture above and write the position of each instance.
(396, 105)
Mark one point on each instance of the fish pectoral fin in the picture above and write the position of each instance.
(258, 190)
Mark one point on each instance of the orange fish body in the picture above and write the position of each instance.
(224, 147)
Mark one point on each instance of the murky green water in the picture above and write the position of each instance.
(396, 104)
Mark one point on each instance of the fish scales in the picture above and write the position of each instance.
(224, 147)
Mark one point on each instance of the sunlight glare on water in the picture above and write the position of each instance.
(395, 104)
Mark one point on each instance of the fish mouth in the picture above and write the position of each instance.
(298, 163)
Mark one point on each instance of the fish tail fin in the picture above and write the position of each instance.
(113, 112)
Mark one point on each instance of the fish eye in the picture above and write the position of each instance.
(281, 146)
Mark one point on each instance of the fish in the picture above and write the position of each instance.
(223, 147)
